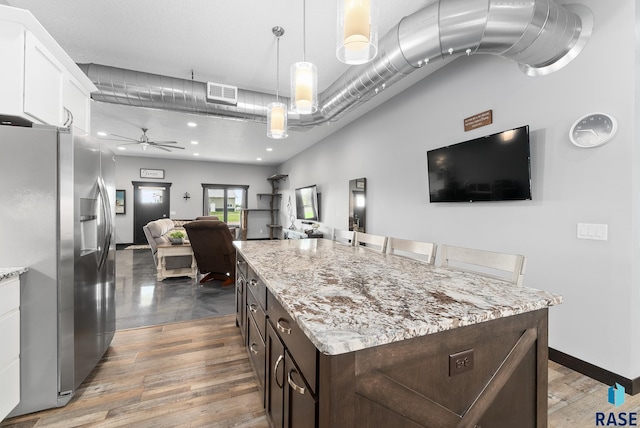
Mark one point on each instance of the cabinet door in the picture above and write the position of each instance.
(43, 77)
(76, 100)
(300, 405)
(275, 378)
(241, 303)
(257, 349)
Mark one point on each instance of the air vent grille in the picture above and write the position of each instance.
(224, 94)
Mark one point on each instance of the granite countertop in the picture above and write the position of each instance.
(347, 298)
(9, 272)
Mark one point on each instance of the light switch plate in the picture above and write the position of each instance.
(598, 232)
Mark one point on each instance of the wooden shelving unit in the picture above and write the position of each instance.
(273, 198)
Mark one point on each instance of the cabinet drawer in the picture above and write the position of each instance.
(9, 295)
(10, 391)
(257, 287)
(10, 338)
(300, 347)
(256, 312)
(256, 348)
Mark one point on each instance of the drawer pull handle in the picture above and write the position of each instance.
(253, 308)
(254, 282)
(293, 385)
(253, 348)
(285, 330)
(275, 370)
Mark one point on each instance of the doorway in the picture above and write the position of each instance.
(151, 201)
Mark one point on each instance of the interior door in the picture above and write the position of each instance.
(150, 202)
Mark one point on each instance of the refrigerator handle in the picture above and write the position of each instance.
(108, 223)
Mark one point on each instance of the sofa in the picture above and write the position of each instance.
(157, 233)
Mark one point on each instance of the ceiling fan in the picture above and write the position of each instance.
(145, 142)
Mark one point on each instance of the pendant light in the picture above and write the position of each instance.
(277, 111)
(357, 31)
(304, 79)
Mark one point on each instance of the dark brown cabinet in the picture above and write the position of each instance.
(241, 300)
(290, 402)
(406, 383)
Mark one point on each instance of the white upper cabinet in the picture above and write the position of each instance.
(40, 83)
(43, 79)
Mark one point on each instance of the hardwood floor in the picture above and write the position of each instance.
(186, 374)
(197, 374)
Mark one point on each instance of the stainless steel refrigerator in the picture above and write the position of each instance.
(57, 218)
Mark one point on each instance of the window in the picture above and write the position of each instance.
(225, 201)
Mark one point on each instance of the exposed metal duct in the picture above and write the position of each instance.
(540, 35)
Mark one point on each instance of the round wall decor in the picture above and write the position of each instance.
(593, 129)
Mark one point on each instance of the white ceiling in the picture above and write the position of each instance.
(228, 42)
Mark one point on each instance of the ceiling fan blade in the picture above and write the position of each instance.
(128, 144)
(171, 147)
(126, 138)
(163, 142)
(159, 147)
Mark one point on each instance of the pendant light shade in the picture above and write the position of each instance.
(304, 87)
(357, 31)
(277, 120)
(277, 111)
(304, 79)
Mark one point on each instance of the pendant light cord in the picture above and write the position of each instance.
(304, 30)
(278, 69)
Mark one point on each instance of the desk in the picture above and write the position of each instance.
(164, 268)
(349, 337)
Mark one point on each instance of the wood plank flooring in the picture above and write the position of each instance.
(186, 374)
(197, 374)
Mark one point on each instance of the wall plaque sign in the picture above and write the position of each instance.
(478, 120)
(151, 173)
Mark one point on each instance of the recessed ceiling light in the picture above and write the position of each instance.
(194, 142)
(102, 134)
(196, 154)
(122, 148)
(269, 149)
(192, 124)
(258, 159)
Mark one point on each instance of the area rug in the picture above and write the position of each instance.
(137, 247)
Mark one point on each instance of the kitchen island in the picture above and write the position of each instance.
(344, 336)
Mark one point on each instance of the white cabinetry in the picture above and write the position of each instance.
(40, 83)
(10, 349)
(43, 77)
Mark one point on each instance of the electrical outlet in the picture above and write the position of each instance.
(460, 362)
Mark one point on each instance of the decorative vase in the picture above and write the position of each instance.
(177, 241)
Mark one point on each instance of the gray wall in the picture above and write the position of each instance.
(188, 176)
(599, 320)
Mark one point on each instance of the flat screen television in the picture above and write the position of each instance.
(492, 168)
(307, 207)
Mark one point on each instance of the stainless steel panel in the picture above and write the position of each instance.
(93, 270)
(28, 192)
(52, 200)
(66, 266)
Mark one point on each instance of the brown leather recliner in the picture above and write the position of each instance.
(212, 246)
